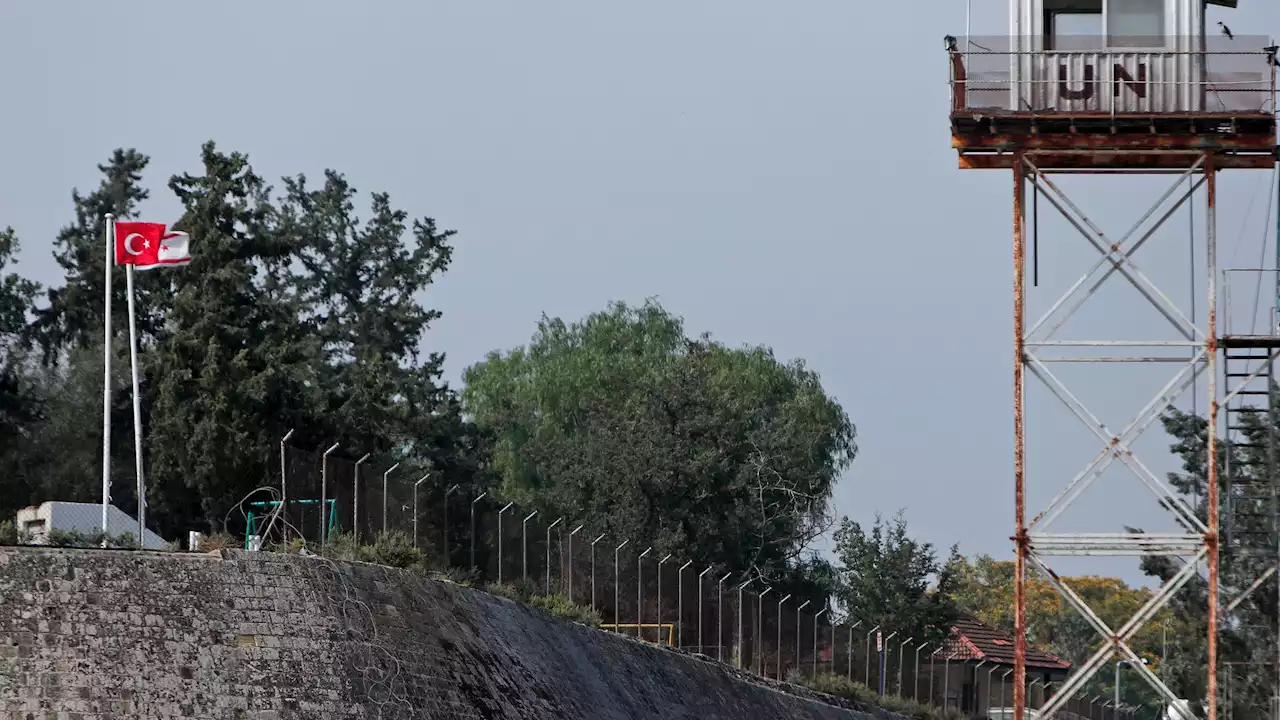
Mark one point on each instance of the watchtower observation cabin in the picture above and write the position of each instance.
(1142, 79)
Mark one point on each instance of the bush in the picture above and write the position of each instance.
(8, 533)
(520, 591)
(561, 607)
(466, 577)
(77, 539)
(395, 549)
(219, 541)
(554, 605)
(842, 687)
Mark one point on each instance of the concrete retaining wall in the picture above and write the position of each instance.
(113, 634)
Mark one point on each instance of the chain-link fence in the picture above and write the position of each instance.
(635, 590)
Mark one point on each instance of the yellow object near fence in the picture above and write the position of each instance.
(670, 629)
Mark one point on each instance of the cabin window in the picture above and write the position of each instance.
(1135, 23)
(1073, 25)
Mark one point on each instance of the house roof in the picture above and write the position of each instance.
(972, 639)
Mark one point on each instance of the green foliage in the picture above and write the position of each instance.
(625, 424)
(8, 533)
(294, 314)
(76, 539)
(466, 577)
(1238, 640)
(393, 549)
(841, 687)
(554, 605)
(220, 541)
(887, 578)
(561, 607)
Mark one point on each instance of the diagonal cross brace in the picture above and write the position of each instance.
(1118, 446)
(1103, 261)
(1121, 262)
(1115, 642)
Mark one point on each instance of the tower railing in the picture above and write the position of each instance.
(998, 76)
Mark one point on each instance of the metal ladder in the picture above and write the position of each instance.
(1249, 519)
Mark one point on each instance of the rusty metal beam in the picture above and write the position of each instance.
(1001, 114)
(1103, 160)
(1211, 349)
(1264, 143)
(1019, 444)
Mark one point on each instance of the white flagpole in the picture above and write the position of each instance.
(137, 408)
(106, 381)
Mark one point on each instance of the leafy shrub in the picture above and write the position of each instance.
(8, 533)
(554, 605)
(842, 687)
(219, 541)
(520, 591)
(395, 549)
(561, 607)
(77, 539)
(910, 708)
(466, 577)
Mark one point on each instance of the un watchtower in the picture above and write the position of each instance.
(1137, 87)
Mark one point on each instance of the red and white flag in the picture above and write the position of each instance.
(150, 245)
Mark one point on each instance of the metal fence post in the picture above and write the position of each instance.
(385, 475)
(415, 507)
(701, 648)
(852, 627)
(639, 587)
(758, 645)
(885, 653)
(324, 492)
(284, 485)
(355, 501)
(473, 527)
(524, 546)
(500, 513)
(720, 618)
(593, 570)
(817, 615)
(549, 527)
(902, 649)
(680, 604)
(448, 561)
(866, 680)
(657, 605)
(570, 564)
(779, 643)
(617, 583)
(798, 609)
(915, 692)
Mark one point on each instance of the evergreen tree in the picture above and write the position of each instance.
(888, 579)
(236, 370)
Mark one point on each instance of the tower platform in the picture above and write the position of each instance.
(988, 139)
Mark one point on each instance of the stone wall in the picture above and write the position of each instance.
(108, 634)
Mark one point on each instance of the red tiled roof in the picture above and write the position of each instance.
(972, 639)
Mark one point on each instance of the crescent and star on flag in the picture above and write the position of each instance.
(145, 245)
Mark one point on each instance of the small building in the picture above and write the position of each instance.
(973, 672)
(86, 518)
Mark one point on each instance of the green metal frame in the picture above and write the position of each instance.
(252, 527)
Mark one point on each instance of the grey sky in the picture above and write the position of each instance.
(777, 173)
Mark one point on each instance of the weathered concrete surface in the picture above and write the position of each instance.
(112, 634)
